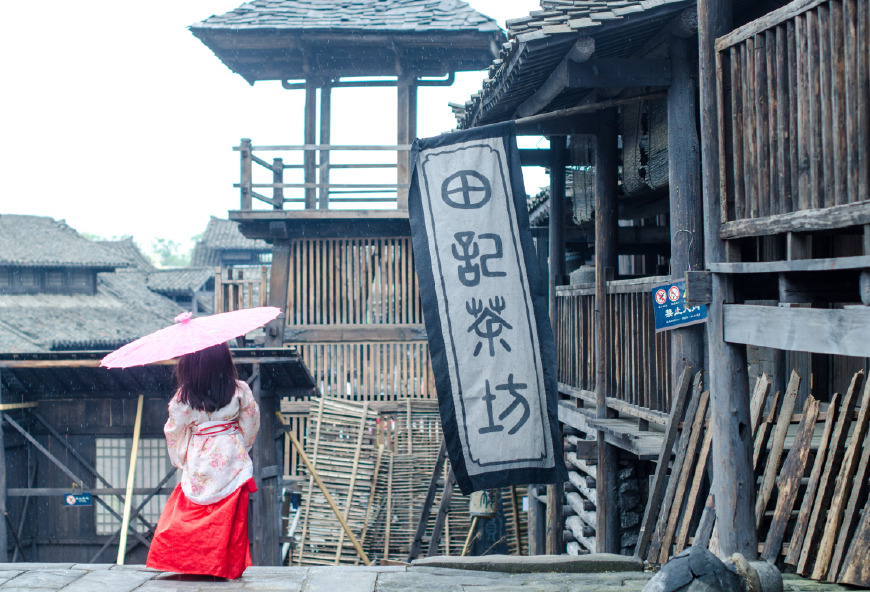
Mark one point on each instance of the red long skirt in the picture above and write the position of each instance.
(206, 540)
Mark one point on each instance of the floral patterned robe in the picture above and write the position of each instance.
(213, 466)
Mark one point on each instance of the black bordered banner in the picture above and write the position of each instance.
(484, 304)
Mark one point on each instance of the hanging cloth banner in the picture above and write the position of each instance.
(484, 303)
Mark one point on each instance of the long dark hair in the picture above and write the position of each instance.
(207, 378)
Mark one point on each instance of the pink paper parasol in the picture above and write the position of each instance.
(189, 335)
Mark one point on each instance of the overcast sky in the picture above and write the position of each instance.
(118, 120)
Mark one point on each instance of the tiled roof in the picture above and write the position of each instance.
(181, 281)
(379, 15)
(538, 42)
(123, 309)
(129, 250)
(225, 234)
(40, 241)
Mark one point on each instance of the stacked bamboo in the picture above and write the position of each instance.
(344, 453)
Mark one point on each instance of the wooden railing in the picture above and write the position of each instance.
(318, 191)
(243, 287)
(793, 110)
(638, 359)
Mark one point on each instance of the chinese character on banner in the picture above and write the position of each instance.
(484, 304)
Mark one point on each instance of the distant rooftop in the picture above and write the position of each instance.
(179, 281)
(127, 248)
(40, 241)
(221, 236)
(292, 39)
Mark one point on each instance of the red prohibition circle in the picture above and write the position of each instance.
(661, 296)
(674, 293)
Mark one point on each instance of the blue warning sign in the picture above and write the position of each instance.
(670, 309)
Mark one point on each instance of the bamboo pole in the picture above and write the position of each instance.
(468, 539)
(326, 493)
(128, 496)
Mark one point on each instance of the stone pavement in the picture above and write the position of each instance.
(45, 577)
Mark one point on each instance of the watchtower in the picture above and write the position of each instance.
(343, 271)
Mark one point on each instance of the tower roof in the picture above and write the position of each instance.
(293, 39)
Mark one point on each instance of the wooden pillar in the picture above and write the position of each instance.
(537, 523)
(310, 157)
(266, 515)
(278, 286)
(278, 179)
(246, 174)
(403, 85)
(606, 155)
(686, 215)
(555, 545)
(4, 535)
(325, 122)
(733, 482)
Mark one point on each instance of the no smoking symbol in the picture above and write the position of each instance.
(661, 296)
(674, 293)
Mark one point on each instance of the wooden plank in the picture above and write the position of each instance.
(844, 484)
(676, 476)
(800, 528)
(762, 432)
(685, 474)
(837, 45)
(659, 483)
(826, 484)
(768, 21)
(385, 332)
(738, 177)
(441, 517)
(759, 398)
(827, 331)
(771, 467)
(762, 126)
(856, 566)
(826, 99)
(858, 495)
(790, 481)
(803, 117)
(809, 219)
(692, 499)
(796, 265)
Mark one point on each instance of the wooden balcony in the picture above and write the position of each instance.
(322, 190)
(794, 130)
(638, 371)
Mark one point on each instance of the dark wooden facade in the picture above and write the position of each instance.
(57, 407)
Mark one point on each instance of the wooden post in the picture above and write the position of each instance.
(4, 545)
(309, 156)
(733, 482)
(606, 154)
(684, 182)
(278, 286)
(537, 524)
(404, 137)
(266, 523)
(278, 179)
(246, 174)
(131, 474)
(325, 121)
(555, 545)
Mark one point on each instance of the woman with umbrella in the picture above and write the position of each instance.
(213, 421)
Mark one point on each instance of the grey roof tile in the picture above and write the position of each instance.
(384, 15)
(40, 241)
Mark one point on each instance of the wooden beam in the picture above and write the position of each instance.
(558, 80)
(809, 220)
(581, 123)
(325, 129)
(344, 333)
(417, 543)
(619, 73)
(403, 135)
(824, 331)
(606, 187)
(535, 157)
(796, 265)
(684, 182)
(733, 484)
(310, 131)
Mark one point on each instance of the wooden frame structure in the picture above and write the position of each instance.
(55, 406)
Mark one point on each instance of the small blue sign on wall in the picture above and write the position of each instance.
(670, 309)
(77, 499)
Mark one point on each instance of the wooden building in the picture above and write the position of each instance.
(344, 277)
(722, 143)
(68, 428)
